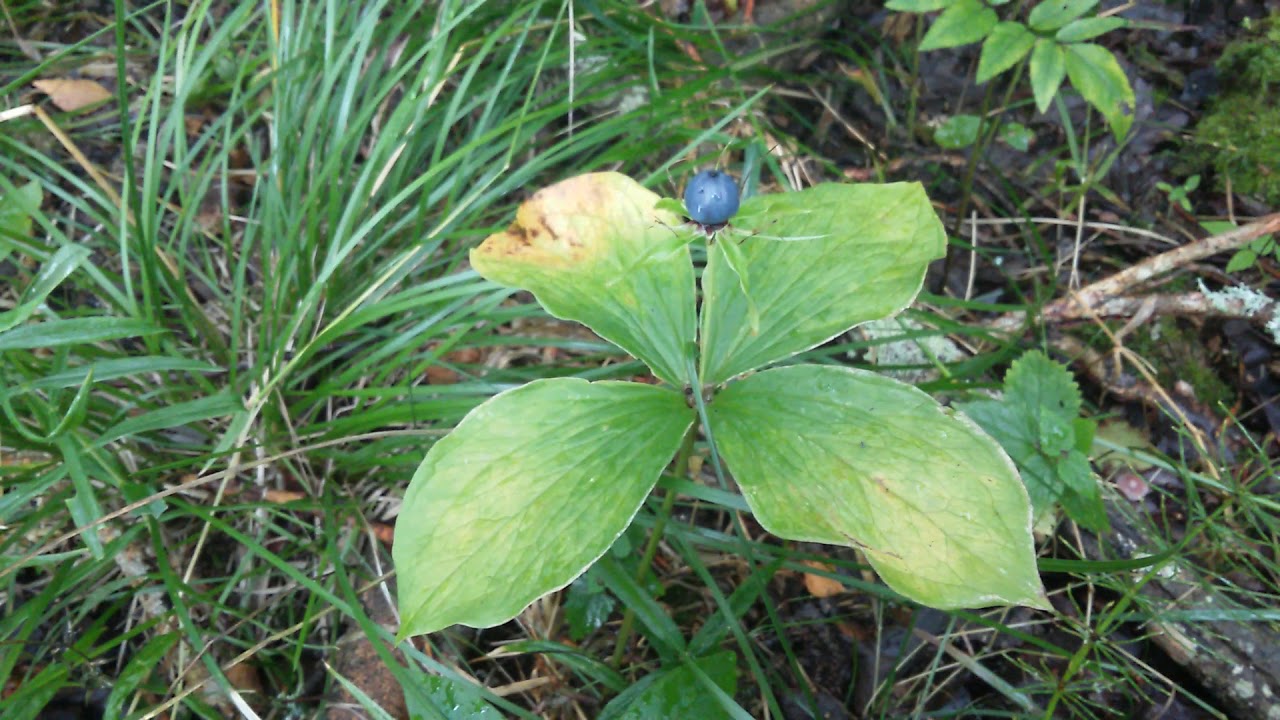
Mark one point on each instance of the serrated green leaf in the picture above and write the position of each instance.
(1046, 393)
(1048, 68)
(1089, 28)
(1036, 422)
(594, 249)
(873, 244)
(1053, 14)
(964, 22)
(530, 488)
(917, 6)
(1083, 499)
(849, 457)
(1008, 43)
(1097, 75)
(958, 132)
(677, 692)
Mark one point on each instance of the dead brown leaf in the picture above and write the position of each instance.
(71, 94)
(821, 586)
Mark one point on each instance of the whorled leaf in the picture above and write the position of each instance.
(594, 249)
(859, 254)
(844, 456)
(530, 489)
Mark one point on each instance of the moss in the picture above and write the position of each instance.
(1180, 353)
(1240, 137)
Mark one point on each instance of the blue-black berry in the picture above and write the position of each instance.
(711, 198)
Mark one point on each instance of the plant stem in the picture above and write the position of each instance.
(655, 537)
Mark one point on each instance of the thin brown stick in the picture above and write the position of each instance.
(1091, 298)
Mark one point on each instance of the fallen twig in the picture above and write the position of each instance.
(1108, 293)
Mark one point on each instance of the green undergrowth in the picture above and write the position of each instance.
(1239, 136)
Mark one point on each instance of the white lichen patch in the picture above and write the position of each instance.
(1241, 300)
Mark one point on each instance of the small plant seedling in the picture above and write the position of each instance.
(1180, 195)
(536, 484)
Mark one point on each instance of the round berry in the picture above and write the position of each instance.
(711, 198)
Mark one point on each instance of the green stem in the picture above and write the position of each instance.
(651, 547)
(985, 136)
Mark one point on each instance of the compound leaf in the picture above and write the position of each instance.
(1097, 75)
(963, 22)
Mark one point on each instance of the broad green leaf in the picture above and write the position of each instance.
(1048, 67)
(1096, 74)
(963, 22)
(54, 333)
(1053, 14)
(958, 132)
(1088, 28)
(532, 487)
(1242, 260)
(1017, 136)
(593, 249)
(844, 456)
(737, 264)
(1008, 43)
(677, 692)
(917, 6)
(868, 249)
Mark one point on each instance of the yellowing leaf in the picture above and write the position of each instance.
(71, 94)
(594, 249)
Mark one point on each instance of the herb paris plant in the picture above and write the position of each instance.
(536, 483)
